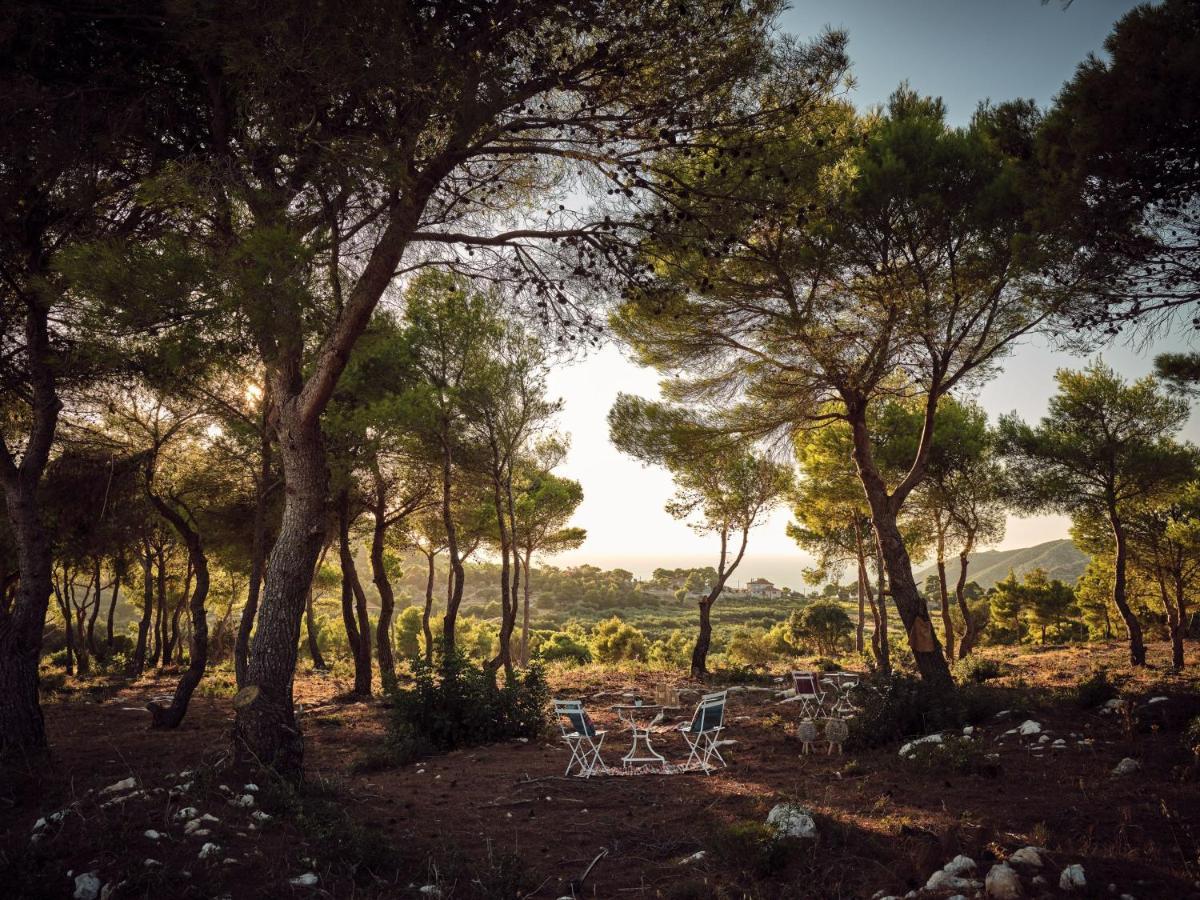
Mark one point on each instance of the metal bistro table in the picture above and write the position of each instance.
(641, 751)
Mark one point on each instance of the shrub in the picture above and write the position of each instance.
(977, 669)
(959, 756)
(672, 652)
(1093, 691)
(565, 648)
(824, 623)
(896, 706)
(455, 703)
(751, 647)
(751, 848)
(617, 641)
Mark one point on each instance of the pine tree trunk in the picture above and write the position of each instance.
(94, 592)
(525, 614)
(258, 553)
(944, 593)
(1137, 649)
(971, 632)
(160, 604)
(137, 665)
(310, 623)
(1181, 618)
(457, 573)
(354, 603)
(428, 632)
(508, 602)
(699, 669)
(171, 716)
(885, 646)
(22, 728)
(112, 604)
(387, 600)
(265, 729)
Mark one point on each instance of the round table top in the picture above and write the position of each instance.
(621, 707)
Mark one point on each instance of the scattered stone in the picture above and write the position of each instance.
(1072, 878)
(151, 863)
(1127, 766)
(1028, 857)
(694, 858)
(259, 816)
(308, 879)
(430, 890)
(127, 784)
(792, 820)
(251, 787)
(968, 730)
(152, 834)
(243, 802)
(1002, 883)
(960, 865)
(1045, 739)
(87, 886)
(1060, 744)
(1029, 727)
(1154, 700)
(1002, 714)
(188, 812)
(941, 880)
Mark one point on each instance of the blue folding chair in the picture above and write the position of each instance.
(581, 736)
(703, 732)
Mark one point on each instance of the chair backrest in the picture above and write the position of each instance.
(709, 714)
(572, 712)
(805, 684)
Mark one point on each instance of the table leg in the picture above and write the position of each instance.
(648, 753)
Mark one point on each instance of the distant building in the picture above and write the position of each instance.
(761, 587)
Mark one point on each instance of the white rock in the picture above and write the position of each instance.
(209, 849)
(251, 787)
(1029, 727)
(430, 890)
(1126, 766)
(694, 858)
(944, 881)
(259, 816)
(308, 879)
(87, 886)
(1044, 739)
(792, 820)
(960, 865)
(1002, 714)
(150, 863)
(127, 784)
(152, 834)
(1072, 878)
(1156, 700)
(908, 748)
(244, 802)
(1002, 883)
(968, 730)
(188, 812)
(1027, 856)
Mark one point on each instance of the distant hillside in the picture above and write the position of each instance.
(1061, 559)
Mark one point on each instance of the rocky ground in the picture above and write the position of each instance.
(1044, 799)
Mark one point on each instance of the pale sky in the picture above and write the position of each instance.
(962, 50)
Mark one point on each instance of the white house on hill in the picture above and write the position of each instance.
(761, 587)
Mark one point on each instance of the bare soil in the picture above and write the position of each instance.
(502, 821)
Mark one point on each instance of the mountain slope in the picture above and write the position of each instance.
(1061, 559)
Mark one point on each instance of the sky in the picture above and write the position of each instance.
(964, 51)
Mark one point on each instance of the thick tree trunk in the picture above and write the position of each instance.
(265, 729)
(1174, 619)
(160, 605)
(387, 598)
(22, 729)
(258, 551)
(138, 663)
(699, 669)
(1137, 649)
(171, 715)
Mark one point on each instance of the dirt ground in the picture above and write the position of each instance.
(502, 821)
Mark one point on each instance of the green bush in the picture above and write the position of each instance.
(955, 755)
(977, 669)
(455, 703)
(617, 641)
(563, 648)
(1093, 691)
